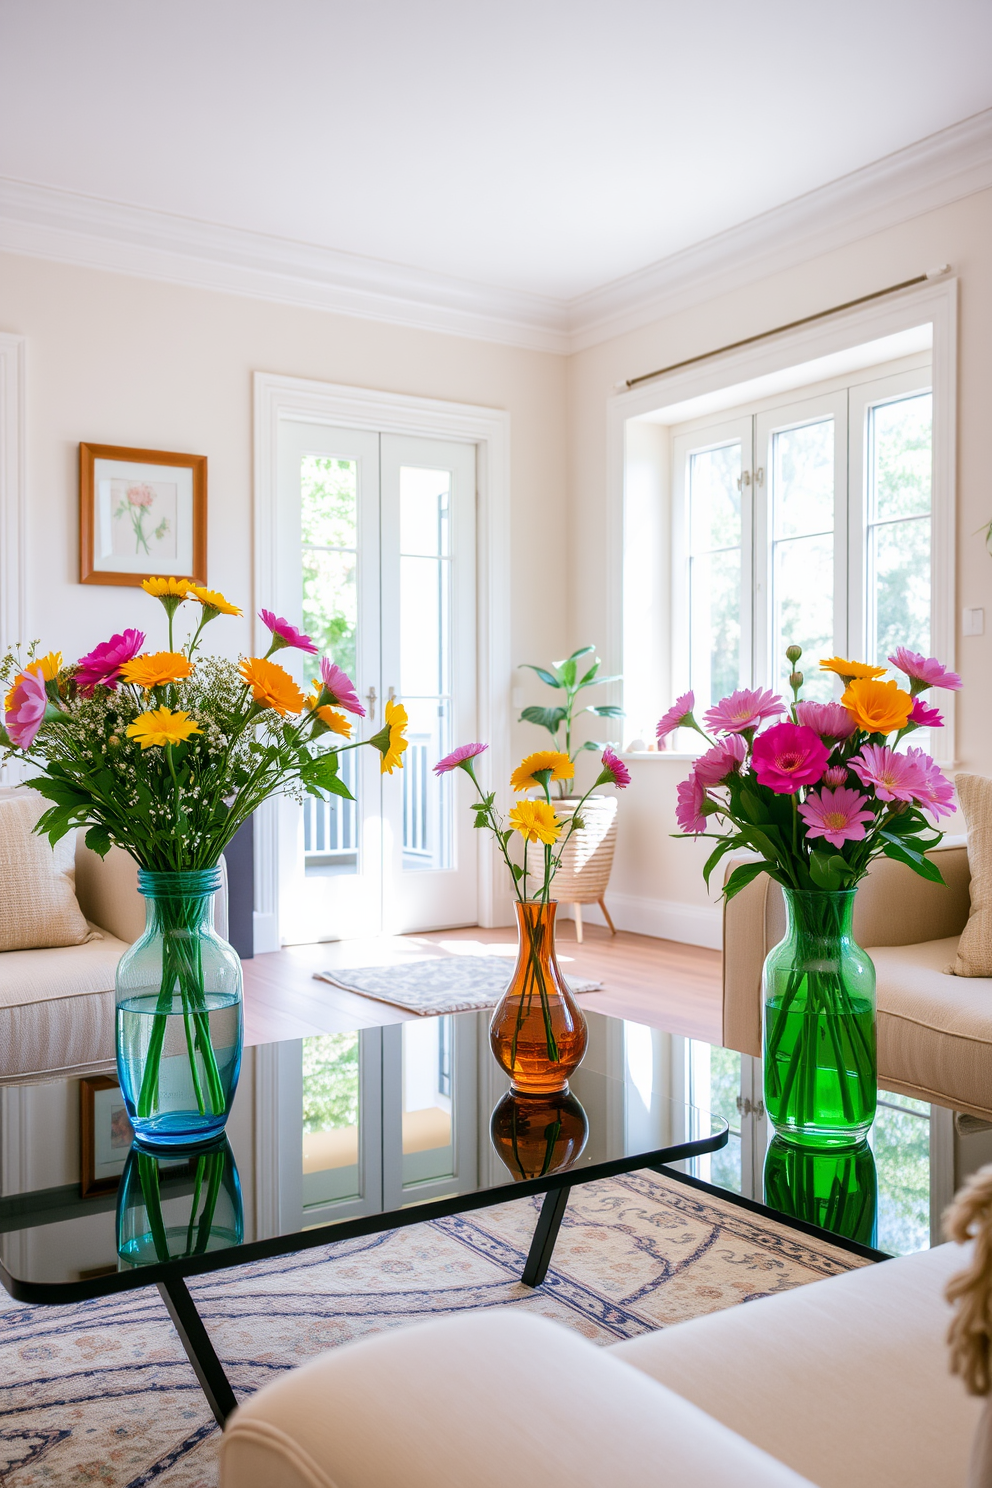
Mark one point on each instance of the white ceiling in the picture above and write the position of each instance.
(547, 146)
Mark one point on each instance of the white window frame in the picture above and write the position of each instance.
(303, 399)
(933, 304)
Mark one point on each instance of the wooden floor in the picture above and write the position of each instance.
(660, 982)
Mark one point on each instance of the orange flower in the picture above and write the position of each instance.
(50, 665)
(336, 722)
(156, 669)
(271, 685)
(877, 707)
(848, 669)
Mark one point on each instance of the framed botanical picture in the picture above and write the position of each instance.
(141, 512)
(105, 1135)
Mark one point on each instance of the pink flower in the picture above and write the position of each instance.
(614, 770)
(924, 671)
(284, 634)
(834, 775)
(787, 756)
(829, 720)
(689, 810)
(937, 792)
(717, 763)
(460, 756)
(101, 666)
(140, 495)
(679, 713)
(837, 815)
(26, 711)
(895, 777)
(340, 686)
(743, 710)
(924, 716)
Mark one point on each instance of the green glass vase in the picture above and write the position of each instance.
(168, 1210)
(835, 1189)
(821, 1067)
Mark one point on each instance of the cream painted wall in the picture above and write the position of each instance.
(656, 885)
(119, 360)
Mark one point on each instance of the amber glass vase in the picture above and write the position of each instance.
(538, 1033)
(539, 1134)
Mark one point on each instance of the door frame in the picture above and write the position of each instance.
(306, 401)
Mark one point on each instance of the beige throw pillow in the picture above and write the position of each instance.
(37, 883)
(974, 957)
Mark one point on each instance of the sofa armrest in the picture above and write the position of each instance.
(894, 907)
(107, 890)
(480, 1401)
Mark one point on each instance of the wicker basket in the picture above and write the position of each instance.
(587, 860)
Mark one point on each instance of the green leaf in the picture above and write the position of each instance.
(582, 651)
(590, 674)
(605, 710)
(592, 744)
(742, 876)
(98, 840)
(823, 872)
(542, 672)
(715, 856)
(549, 718)
(920, 865)
(337, 787)
(517, 871)
(754, 806)
(567, 671)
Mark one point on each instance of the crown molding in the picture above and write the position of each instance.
(47, 222)
(932, 173)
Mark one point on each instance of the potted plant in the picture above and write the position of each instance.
(587, 861)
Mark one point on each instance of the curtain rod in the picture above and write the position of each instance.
(632, 382)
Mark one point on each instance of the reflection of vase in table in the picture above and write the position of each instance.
(170, 1206)
(835, 1189)
(538, 1032)
(535, 1135)
(821, 1067)
(587, 859)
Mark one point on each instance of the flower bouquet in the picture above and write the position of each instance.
(166, 754)
(538, 1033)
(817, 791)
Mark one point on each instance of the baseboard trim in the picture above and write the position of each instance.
(666, 919)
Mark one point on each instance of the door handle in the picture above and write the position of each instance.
(392, 694)
(370, 699)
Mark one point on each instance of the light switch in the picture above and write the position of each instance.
(972, 622)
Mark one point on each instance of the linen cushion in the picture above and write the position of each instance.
(38, 905)
(482, 1401)
(974, 957)
(845, 1380)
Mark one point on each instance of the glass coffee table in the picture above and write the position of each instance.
(331, 1137)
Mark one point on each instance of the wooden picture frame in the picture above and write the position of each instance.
(105, 1135)
(152, 500)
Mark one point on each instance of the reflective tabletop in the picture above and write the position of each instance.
(330, 1136)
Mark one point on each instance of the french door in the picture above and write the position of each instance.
(377, 563)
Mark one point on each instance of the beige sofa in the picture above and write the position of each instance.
(934, 1029)
(57, 1005)
(842, 1384)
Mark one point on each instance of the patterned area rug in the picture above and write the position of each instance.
(440, 984)
(102, 1394)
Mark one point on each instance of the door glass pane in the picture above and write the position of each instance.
(428, 1140)
(900, 1140)
(329, 531)
(425, 663)
(714, 1084)
(714, 573)
(802, 526)
(330, 1118)
(897, 569)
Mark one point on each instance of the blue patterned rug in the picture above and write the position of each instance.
(101, 1393)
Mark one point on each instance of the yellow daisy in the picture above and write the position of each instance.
(396, 722)
(166, 588)
(336, 722)
(560, 765)
(271, 685)
(156, 669)
(536, 821)
(162, 726)
(847, 670)
(212, 599)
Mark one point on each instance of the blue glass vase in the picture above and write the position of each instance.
(180, 1028)
(168, 1208)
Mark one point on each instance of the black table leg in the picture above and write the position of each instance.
(545, 1234)
(199, 1349)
